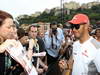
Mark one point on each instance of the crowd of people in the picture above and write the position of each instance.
(56, 52)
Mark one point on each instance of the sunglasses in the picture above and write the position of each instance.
(76, 26)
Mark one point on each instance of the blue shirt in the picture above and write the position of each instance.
(56, 42)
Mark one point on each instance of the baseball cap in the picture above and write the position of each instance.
(79, 19)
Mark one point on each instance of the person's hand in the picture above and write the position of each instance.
(62, 64)
(6, 44)
(30, 54)
(30, 49)
(70, 64)
(31, 43)
(40, 71)
(45, 67)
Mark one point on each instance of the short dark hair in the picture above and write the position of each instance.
(20, 32)
(3, 16)
(97, 30)
(53, 23)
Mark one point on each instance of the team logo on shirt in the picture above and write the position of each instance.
(85, 53)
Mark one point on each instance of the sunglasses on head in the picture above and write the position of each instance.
(76, 26)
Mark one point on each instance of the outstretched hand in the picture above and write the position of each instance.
(6, 44)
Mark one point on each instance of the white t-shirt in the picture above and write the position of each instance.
(85, 55)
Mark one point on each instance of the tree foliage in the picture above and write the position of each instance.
(93, 13)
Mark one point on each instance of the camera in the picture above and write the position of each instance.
(54, 30)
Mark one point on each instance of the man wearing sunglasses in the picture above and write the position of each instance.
(86, 50)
